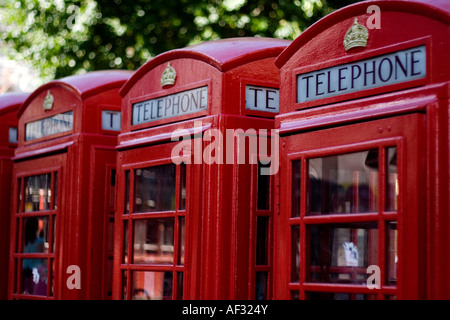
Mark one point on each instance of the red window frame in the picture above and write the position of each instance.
(403, 132)
(54, 219)
(128, 217)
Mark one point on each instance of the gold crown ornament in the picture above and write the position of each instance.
(356, 36)
(168, 76)
(48, 102)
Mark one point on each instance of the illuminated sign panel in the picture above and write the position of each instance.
(384, 70)
(173, 105)
(49, 126)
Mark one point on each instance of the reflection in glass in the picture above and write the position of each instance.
(182, 186)
(36, 235)
(180, 286)
(345, 183)
(392, 179)
(154, 241)
(34, 277)
(342, 252)
(19, 195)
(263, 194)
(127, 191)
(181, 240)
(261, 286)
(38, 193)
(155, 188)
(391, 252)
(151, 285)
(125, 241)
(296, 188)
(339, 296)
(55, 201)
(262, 240)
(295, 254)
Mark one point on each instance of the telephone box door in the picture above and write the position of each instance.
(37, 222)
(351, 223)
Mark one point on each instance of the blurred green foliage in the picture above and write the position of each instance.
(65, 37)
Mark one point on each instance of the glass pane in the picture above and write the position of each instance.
(127, 191)
(55, 201)
(295, 295)
(112, 190)
(263, 195)
(180, 286)
(182, 186)
(19, 195)
(339, 296)
(342, 252)
(154, 241)
(36, 235)
(34, 277)
(181, 241)
(345, 183)
(151, 285)
(54, 234)
(391, 179)
(155, 188)
(391, 253)
(124, 285)
(261, 286)
(125, 241)
(295, 254)
(262, 240)
(296, 171)
(37, 193)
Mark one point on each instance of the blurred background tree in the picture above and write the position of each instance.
(65, 37)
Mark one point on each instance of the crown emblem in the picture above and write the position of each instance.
(168, 76)
(356, 36)
(48, 101)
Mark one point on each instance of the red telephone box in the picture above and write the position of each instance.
(190, 223)
(9, 104)
(64, 184)
(364, 149)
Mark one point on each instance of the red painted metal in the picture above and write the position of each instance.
(412, 115)
(9, 104)
(80, 162)
(220, 209)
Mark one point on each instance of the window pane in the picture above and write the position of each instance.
(262, 240)
(342, 252)
(261, 286)
(34, 277)
(180, 286)
(181, 240)
(37, 193)
(154, 241)
(127, 191)
(391, 179)
(295, 254)
(263, 195)
(155, 188)
(19, 195)
(345, 183)
(296, 171)
(391, 252)
(339, 296)
(150, 285)
(55, 201)
(125, 241)
(182, 186)
(36, 235)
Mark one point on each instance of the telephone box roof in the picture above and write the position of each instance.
(435, 9)
(224, 54)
